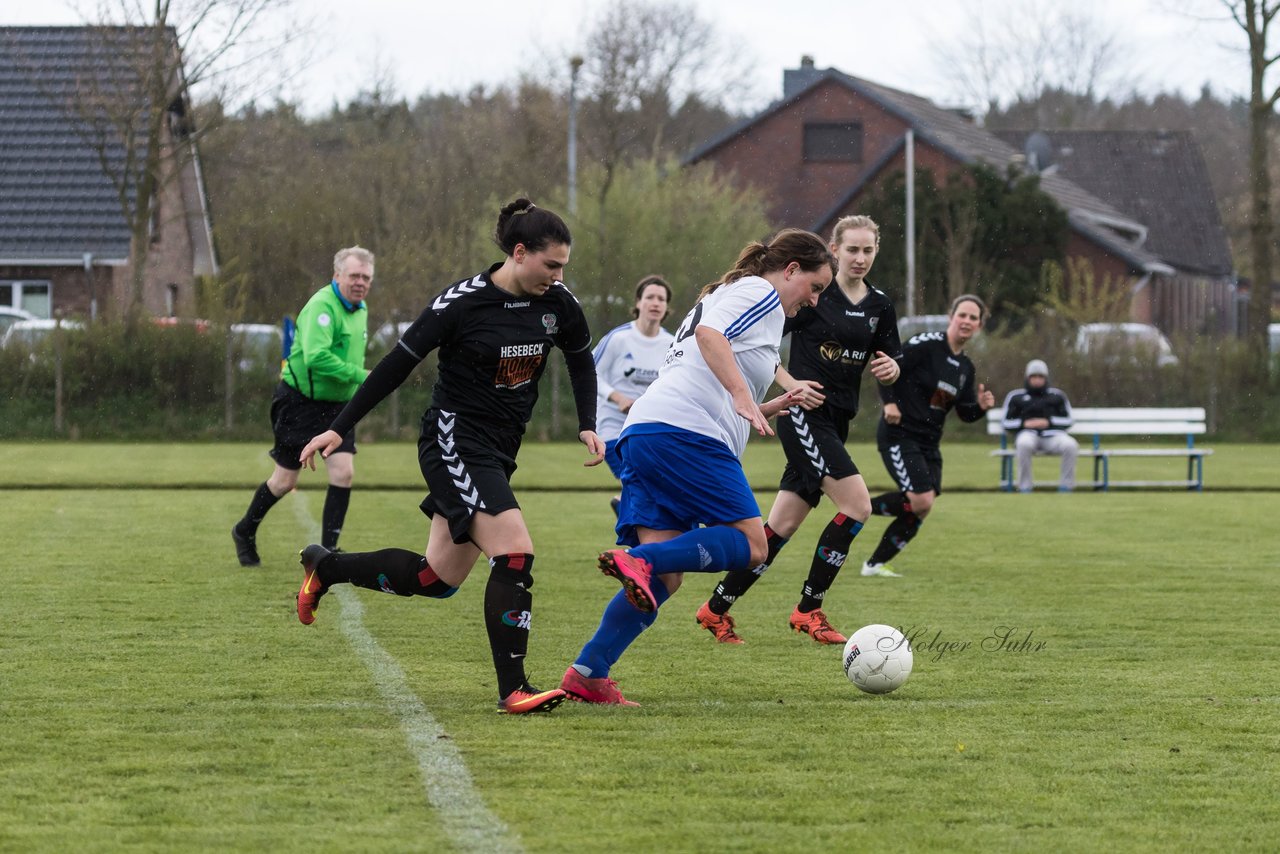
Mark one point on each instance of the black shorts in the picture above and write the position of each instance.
(914, 466)
(467, 471)
(297, 419)
(814, 444)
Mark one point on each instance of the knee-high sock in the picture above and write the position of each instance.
(334, 514)
(261, 502)
(828, 557)
(900, 532)
(735, 584)
(620, 625)
(397, 571)
(890, 504)
(508, 608)
(715, 549)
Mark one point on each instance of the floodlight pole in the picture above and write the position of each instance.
(910, 149)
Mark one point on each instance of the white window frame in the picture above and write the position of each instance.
(20, 286)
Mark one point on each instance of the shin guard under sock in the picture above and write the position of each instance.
(336, 501)
(620, 625)
(507, 615)
(828, 557)
(735, 584)
(397, 571)
(900, 532)
(714, 549)
(261, 502)
(890, 504)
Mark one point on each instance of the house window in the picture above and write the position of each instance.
(171, 299)
(833, 141)
(35, 297)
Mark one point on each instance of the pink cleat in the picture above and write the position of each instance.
(635, 574)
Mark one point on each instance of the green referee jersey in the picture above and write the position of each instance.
(326, 361)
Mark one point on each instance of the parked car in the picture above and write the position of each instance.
(916, 323)
(29, 333)
(10, 316)
(260, 344)
(1115, 341)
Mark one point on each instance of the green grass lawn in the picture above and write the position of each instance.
(156, 696)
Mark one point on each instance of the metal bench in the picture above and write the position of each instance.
(1122, 421)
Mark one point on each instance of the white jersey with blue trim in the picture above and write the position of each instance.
(687, 394)
(627, 361)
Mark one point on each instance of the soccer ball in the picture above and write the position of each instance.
(877, 659)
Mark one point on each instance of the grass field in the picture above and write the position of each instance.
(156, 696)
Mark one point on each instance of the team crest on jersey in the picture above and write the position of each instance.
(873, 322)
(549, 322)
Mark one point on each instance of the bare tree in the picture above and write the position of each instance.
(643, 62)
(1255, 19)
(1017, 50)
(132, 99)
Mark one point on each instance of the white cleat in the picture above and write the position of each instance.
(879, 570)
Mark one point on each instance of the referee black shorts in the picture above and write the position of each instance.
(297, 419)
(813, 441)
(467, 471)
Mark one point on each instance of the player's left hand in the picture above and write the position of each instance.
(985, 398)
(595, 446)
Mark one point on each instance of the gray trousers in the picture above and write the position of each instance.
(1028, 443)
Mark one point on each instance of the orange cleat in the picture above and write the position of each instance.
(720, 625)
(815, 625)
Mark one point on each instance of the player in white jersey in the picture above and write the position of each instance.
(686, 505)
(627, 360)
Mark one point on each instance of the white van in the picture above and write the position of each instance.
(1114, 341)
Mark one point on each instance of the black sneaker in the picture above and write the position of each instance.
(246, 547)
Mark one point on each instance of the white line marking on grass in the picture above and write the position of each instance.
(467, 821)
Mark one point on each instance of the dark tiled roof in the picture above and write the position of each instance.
(1156, 177)
(961, 139)
(56, 199)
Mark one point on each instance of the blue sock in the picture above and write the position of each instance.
(621, 624)
(715, 549)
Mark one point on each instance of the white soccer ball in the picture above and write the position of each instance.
(877, 659)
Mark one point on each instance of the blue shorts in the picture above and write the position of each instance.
(676, 480)
(612, 458)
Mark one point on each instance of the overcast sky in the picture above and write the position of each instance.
(432, 46)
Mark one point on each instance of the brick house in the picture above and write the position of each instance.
(65, 244)
(1131, 200)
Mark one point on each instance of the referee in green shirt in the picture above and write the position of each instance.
(324, 368)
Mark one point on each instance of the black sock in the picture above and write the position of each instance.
(828, 557)
(890, 504)
(900, 532)
(735, 584)
(335, 512)
(262, 501)
(397, 571)
(507, 607)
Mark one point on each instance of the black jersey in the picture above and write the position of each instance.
(934, 381)
(494, 346)
(832, 342)
(493, 350)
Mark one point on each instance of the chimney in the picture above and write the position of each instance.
(797, 79)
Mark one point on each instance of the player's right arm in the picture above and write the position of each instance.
(717, 352)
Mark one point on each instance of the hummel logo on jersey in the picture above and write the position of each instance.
(459, 290)
(524, 304)
(952, 362)
(848, 313)
(704, 557)
(519, 619)
(832, 556)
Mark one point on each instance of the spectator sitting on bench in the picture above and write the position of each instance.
(1039, 416)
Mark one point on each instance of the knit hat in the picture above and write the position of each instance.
(1037, 367)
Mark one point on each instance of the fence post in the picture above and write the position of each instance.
(58, 410)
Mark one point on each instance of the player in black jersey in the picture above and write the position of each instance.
(494, 332)
(853, 327)
(936, 377)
